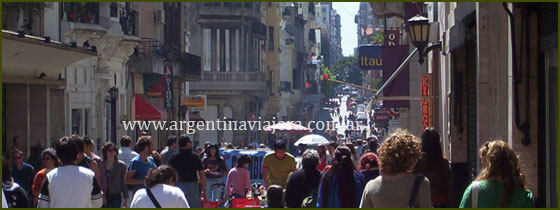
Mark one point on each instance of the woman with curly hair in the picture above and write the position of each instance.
(369, 166)
(341, 185)
(500, 183)
(436, 168)
(159, 183)
(397, 156)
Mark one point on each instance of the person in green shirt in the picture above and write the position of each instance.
(278, 165)
(500, 183)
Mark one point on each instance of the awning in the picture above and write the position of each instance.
(30, 57)
(145, 110)
(195, 117)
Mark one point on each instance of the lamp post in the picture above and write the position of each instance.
(114, 94)
(419, 32)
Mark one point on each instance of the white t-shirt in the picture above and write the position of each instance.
(125, 155)
(166, 195)
(70, 186)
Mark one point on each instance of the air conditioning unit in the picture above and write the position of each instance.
(159, 16)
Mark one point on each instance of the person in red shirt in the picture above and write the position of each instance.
(324, 157)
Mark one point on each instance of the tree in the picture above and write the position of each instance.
(327, 87)
(348, 70)
(378, 38)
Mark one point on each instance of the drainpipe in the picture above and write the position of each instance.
(525, 126)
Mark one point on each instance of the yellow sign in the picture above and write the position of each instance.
(195, 102)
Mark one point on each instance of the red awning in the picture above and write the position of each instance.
(195, 117)
(145, 110)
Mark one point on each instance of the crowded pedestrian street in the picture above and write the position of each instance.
(280, 105)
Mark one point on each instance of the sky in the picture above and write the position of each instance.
(347, 11)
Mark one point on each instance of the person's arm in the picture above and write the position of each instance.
(424, 196)
(96, 195)
(228, 185)
(129, 176)
(44, 196)
(203, 183)
(36, 188)
(449, 195)
(290, 198)
(265, 175)
(320, 195)
(182, 200)
(124, 190)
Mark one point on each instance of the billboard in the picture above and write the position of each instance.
(426, 106)
(195, 102)
(255, 167)
(369, 57)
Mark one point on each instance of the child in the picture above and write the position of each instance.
(238, 180)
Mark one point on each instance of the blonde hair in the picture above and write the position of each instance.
(399, 153)
(499, 162)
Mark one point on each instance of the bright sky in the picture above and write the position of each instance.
(347, 11)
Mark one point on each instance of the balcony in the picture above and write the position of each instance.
(82, 12)
(247, 9)
(231, 81)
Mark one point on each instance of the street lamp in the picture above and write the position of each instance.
(419, 31)
(114, 94)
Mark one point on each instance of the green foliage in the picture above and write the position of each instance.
(378, 38)
(327, 87)
(347, 68)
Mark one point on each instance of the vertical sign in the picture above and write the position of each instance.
(168, 95)
(391, 38)
(426, 106)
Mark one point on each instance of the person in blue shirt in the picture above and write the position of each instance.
(341, 185)
(22, 172)
(140, 165)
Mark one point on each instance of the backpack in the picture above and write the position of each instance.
(310, 201)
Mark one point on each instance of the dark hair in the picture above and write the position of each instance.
(372, 144)
(52, 154)
(67, 150)
(106, 147)
(15, 137)
(241, 160)
(275, 196)
(171, 140)
(79, 142)
(142, 143)
(87, 141)
(343, 168)
(125, 141)
(332, 144)
(216, 152)
(310, 159)
(160, 175)
(230, 146)
(279, 145)
(183, 139)
(431, 147)
(6, 170)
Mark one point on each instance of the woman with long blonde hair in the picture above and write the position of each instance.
(500, 183)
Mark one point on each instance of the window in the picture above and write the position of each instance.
(113, 10)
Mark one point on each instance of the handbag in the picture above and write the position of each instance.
(417, 181)
(474, 191)
(152, 197)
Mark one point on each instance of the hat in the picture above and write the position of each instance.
(281, 145)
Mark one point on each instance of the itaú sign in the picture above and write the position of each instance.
(369, 57)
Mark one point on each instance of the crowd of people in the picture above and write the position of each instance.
(400, 171)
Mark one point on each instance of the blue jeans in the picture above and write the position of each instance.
(192, 193)
(213, 194)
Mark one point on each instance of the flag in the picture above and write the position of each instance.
(306, 85)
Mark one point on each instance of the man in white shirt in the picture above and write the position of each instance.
(125, 153)
(171, 148)
(70, 186)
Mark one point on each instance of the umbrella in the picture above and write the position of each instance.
(288, 127)
(312, 139)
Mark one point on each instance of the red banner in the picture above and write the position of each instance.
(426, 103)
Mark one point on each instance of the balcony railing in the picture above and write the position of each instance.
(83, 12)
(231, 81)
(249, 9)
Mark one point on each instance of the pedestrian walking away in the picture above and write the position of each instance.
(189, 170)
(159, 191)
